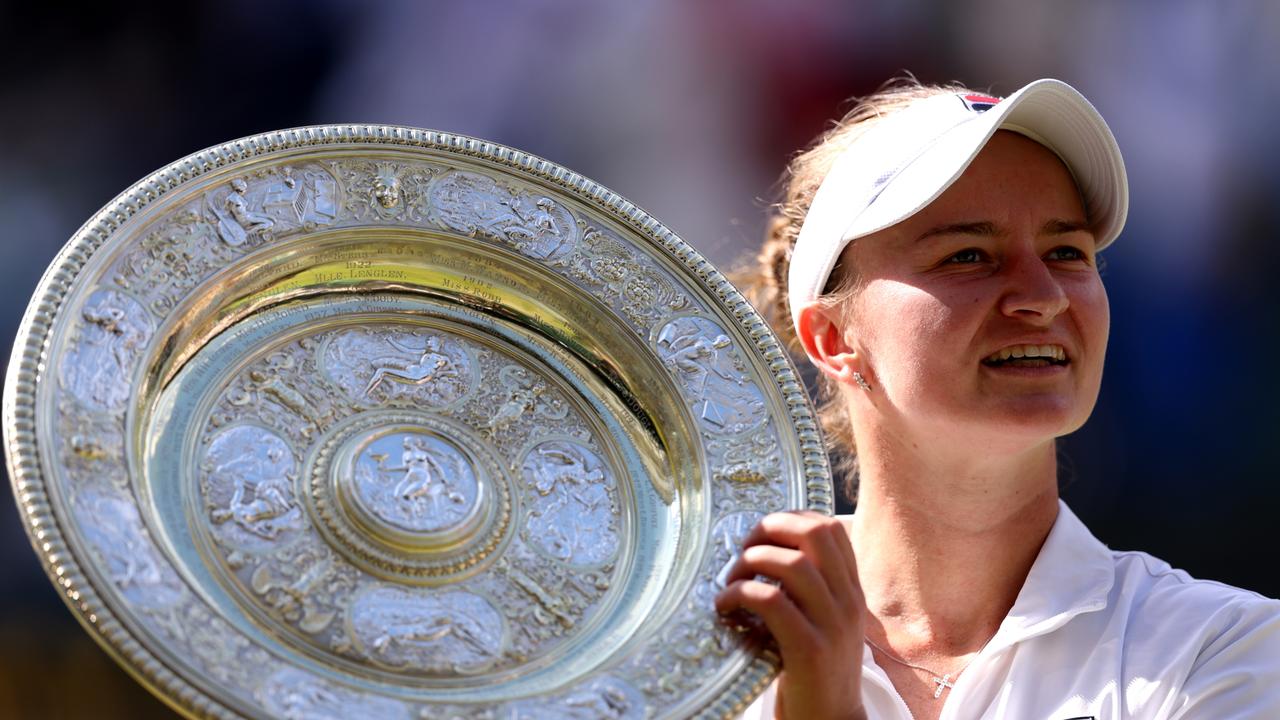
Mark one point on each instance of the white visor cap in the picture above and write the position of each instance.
(906, 160)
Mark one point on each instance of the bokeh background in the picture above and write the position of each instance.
(690, 109)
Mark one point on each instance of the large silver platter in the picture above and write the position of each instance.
(365, 421)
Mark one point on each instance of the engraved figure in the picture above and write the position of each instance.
(697, 357)
(257, 466)
(562, 463)
(181, 251)
(295, 203)
(304, 586)
(520, 399)
(542, 221)
(478, 205)
(598, 703)
(292, 694)
(624, 279)
(417, 466)
(236, 222)
(526, 395)
(537, 232)
(98, 367)
(549, 606)
(386, 186)
(572, 516)
(270, 493)
(128, 557)
(273, 387)
(605, 698)
(282, 392)
(384, 190)
(431, 364)
(747, 470)
(383, 364)
(432, 488)
(439, 633)
(700, 355)
(431, 629)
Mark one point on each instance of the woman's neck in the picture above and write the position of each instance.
(944, 544)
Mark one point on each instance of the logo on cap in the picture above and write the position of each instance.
(979, 103)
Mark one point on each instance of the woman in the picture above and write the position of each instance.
(936, 257)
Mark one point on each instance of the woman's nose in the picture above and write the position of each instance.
(1032, 292)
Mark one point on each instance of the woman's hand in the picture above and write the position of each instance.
(815, 613)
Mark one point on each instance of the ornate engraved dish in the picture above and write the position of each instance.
(383, 422)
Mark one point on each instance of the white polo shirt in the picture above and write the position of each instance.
(1106, 635)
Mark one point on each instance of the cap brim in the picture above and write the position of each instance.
(1048, 111)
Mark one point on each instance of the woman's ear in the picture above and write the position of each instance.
(822, 336)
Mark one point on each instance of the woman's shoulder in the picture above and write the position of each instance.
(1214, 647)
(1145, 582)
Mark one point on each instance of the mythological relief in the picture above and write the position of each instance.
(193, 242)
(306, 585)
(416, 481)
(282, 391)
(92, 445)
(604, 698)
(702, 358)
(697, 639)
(271, 204)
(621, 278)
(453, 632)
(247, 478)
(169, 262)
(573, 507)
(292, 694)
(544, 602)
(748, 470)
(386, 191)
(210, 645)
(386, 364)
(478, 205)
(113, 332)
(683, 655)
(527, 397)
(126, 554)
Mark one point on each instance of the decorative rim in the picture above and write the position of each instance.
(28, 369)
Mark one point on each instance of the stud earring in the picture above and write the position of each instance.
(862, 382)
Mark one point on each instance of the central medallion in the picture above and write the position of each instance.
(414, 481)
(410, 496)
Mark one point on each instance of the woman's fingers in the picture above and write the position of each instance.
(821, 538)
(797, 573)
(788, 625)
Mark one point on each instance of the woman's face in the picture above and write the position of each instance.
(1002, 264)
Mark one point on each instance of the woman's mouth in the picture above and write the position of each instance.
(1027, 356)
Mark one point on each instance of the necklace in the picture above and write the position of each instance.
(944, 682)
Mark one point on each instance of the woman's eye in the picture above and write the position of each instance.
(1066, 252)
(971, 255)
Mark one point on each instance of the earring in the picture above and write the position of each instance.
(862, 382)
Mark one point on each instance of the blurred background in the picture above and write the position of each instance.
(691, 109)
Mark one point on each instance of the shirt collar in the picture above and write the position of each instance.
(1073, 574)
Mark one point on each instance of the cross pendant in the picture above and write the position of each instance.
(942, 684)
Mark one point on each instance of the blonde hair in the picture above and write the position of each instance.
(764, 281)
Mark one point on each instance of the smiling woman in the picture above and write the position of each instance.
(935, 258)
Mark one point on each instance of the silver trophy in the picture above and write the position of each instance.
(367, 421)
